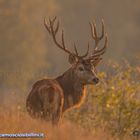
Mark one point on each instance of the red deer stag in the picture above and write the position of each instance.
(50, 98)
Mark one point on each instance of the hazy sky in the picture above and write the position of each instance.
(28, 53)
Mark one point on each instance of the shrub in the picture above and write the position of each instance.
(114, 105)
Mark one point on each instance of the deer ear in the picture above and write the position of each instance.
(72, 59)
(96, 62)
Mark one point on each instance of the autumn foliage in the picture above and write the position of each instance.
(111, 111)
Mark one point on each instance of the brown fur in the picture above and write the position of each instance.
(50, 98)
(45, 100)
(73, 89)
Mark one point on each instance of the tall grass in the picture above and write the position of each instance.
(111, 111)
(113, 106)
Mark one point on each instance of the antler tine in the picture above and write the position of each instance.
(53, 20)
(103, 30)
(63, 42)
(87, 52)
(82, 56)
(94, 33)
(102, 50)
(53, 31)
(57, 27)
(98, 52)
(46, 25)
(75, 49)
(52, 26)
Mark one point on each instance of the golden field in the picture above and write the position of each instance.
(111, 111)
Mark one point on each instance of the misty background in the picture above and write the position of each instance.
(27, 52)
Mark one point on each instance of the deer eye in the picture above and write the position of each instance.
(81, 69)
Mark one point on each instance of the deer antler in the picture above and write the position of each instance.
(53, 31)
(98, 52)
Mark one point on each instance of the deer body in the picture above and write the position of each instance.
(63, 92)
(50, 98)
(73, 90)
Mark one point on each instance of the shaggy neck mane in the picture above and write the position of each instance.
(72, 88)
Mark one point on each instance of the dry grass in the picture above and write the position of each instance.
(122, 92)
(16, 121)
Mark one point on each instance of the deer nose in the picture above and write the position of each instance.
(96, 80)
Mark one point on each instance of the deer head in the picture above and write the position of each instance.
(83, 66)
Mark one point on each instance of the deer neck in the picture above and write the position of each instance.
(72, 87)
